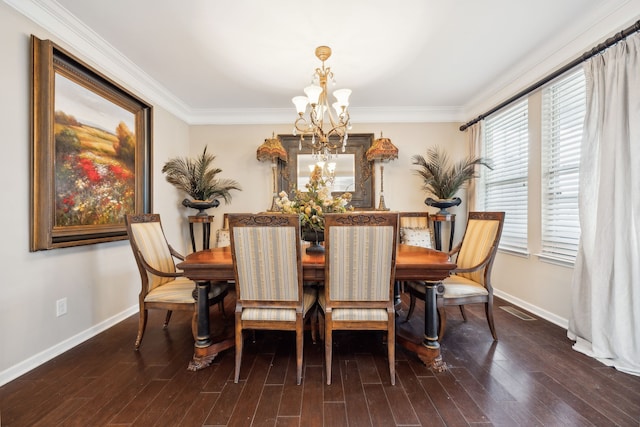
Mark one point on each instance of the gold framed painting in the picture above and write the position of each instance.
(90, 152)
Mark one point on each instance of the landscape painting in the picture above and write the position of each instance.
(95, 157)
(91, 152)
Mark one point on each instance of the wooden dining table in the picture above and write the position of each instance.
(412, 263)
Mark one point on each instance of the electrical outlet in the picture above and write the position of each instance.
(61, 307)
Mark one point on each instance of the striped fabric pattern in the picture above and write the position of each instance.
(414, 221)
(266, 255)
(478, 238)
(155, 251)
(361, 315)
(349, 282)
(280, 314)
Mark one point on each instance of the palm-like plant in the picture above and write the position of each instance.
(440, 177)
(197, 178)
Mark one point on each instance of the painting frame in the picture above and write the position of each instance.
(127, 175)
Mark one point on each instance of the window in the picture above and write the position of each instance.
(505, 188)
(563, 110)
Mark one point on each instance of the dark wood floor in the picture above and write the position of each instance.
(530, 377)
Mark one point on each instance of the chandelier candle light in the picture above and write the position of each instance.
(272, 150)
(324, 143)
(384, 151)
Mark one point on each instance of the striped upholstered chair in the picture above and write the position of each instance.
(163, 287)
(268, 271)
(360, 252)
(471, 281)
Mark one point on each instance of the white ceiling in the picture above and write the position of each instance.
(247, 58)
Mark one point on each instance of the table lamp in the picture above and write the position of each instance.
(384, 151)
(272, 150)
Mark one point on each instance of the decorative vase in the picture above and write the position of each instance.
(443, 204)
(314, 237)
(201, 205)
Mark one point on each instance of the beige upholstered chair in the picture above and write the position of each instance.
(163, 287)
(416, 229)
(222, 234)
(360, 252)
(268, 271)
(471, 281)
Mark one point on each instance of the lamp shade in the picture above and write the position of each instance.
(271, 150)
(382, 149)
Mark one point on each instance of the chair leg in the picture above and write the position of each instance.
(328, 347)
(142, 324)
(463, 312)
(166, 319)
(299, 348)
(313, 321)
(221, 306)
(391, 348)
(488, 309)
(239, 343)
(442, 316)
(412, 306)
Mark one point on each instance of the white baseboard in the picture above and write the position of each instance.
(546, 315)
(34, 361)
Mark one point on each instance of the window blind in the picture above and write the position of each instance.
(563, 110)
(505, 188)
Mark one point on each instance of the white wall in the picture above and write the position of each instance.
(101, 281)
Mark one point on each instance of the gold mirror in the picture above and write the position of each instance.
(352, 173)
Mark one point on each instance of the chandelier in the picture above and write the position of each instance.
(327, 127)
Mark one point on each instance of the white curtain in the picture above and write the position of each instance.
(475, 144)
(606, 283)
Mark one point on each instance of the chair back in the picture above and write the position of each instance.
(480, 245)
(150, 246)
(360, 252)
(267, 259)
(415, 229)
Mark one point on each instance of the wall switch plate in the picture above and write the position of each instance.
(61, 307)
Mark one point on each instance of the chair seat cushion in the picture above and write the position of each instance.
(281, 314)
(455, 287)
(355, 314)
(180, 290)
(458, 286)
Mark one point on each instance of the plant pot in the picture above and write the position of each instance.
(201, 205)
(443, 204)
(314, 237)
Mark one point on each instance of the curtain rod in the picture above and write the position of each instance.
(582, 58)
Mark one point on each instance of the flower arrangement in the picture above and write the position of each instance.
(313, 203)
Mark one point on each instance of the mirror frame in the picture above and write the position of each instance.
(358, 144)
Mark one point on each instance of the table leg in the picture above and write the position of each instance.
(437, 231)
(206, 235)
(193, 240)
(427, 348)
(453, 229)
(205, 349)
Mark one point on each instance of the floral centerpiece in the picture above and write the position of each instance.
(313, 203)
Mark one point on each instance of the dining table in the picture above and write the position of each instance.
(412, 263)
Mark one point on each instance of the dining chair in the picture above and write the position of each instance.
(415, 230)
(267, 264)
(163, 287)
(360, 252)
(470, 282)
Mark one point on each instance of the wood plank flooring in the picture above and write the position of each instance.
(530, 377)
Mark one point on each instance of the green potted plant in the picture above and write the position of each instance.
(443, 179)
(197, 178)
